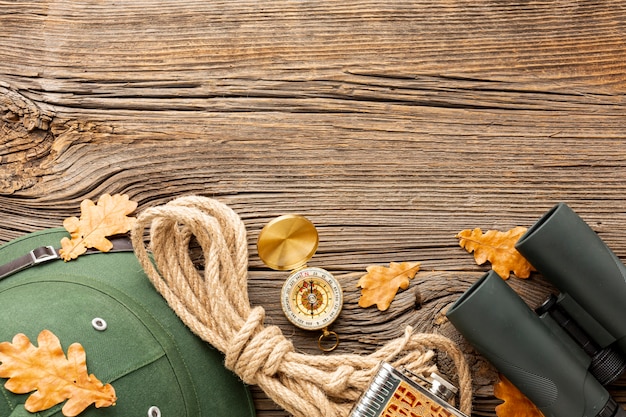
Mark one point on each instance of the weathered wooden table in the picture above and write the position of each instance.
(392, 125)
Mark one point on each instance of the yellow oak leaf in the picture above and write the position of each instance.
(380, 285)
(97, 221)
(515, 403)
(53, 377)
(498, 248)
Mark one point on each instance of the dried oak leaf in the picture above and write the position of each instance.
(380, 285)
(97, 221)
(515, 403)
(52, 376)
(498, 248)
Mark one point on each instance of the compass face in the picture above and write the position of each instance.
(311, 298)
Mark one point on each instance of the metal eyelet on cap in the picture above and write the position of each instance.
(154, 411)
(99, 324)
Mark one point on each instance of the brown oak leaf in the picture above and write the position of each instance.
(52, 376)
(97, 221)
(498, 248)
(515, 403)
(380, 285)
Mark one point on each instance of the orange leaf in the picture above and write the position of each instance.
(380, 284)
(498, 248)
(97, 221)
(515, 403)
(52, 376)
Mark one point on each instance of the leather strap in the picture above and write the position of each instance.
(45, 254)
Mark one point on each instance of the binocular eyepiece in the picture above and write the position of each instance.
(562, 354)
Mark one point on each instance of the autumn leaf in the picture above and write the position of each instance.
(380, 285)
(515, 403)
(498, 248)
(52, 376)
(97, 221)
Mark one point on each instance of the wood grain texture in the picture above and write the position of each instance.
(391, 125)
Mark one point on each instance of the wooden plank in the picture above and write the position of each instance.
(392, 125)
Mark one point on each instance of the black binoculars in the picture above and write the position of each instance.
(562, 354)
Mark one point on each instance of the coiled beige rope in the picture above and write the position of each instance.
(214, 304)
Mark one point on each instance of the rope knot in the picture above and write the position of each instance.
(339, 380)
(257, 349)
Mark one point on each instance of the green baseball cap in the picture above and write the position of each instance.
(132, 339)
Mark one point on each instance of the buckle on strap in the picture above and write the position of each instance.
(43, 254)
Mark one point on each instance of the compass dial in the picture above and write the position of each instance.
(311, 298)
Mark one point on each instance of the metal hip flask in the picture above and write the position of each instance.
(396, 393)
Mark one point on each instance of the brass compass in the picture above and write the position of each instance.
(311, 297)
